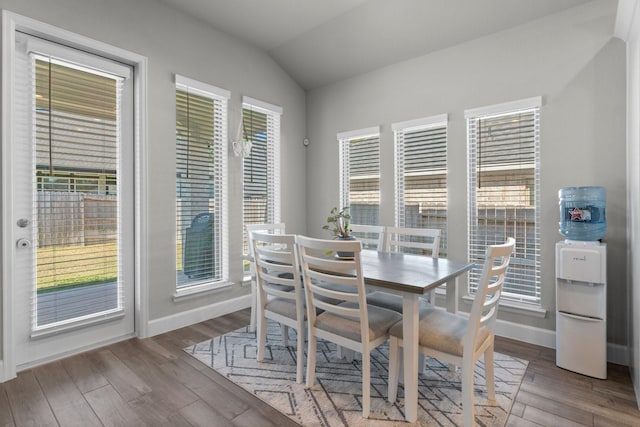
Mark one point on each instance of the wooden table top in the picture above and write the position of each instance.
(409, 273)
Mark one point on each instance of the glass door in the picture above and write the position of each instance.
(73, 191)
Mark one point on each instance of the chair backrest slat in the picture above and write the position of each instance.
(485, 303)
(422, 239)
(331, 265)
(371, 236)
(345, 281)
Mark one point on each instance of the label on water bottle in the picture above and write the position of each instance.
(578, 214)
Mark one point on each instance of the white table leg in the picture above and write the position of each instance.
(254, 305)
(452, 295)
(410, 319)
(452, 303)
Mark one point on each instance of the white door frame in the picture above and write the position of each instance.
(11, 23)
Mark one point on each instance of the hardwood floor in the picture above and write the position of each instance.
(153, 382)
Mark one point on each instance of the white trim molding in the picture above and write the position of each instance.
(440, 119)
(206, 89)
(8, 42)
(505, 107)
(141, 211)
(627, 28)
(359, 133)
(624, 18)
(197, 315)
(267, 107)
(196, 291)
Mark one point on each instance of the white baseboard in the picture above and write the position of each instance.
(3, 374)
(526, 333)
(200, 314)
(616, 353)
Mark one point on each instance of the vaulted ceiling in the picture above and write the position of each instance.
(319, 42)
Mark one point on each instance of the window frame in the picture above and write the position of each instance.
(399, 131)
(220, 167)
(344, 140)
(273, 172)
(473, 116)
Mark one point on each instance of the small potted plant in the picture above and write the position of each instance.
(338, 225)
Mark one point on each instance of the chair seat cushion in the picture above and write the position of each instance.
(391, 301)
(380, 320)
(441, 331)
(283, 307)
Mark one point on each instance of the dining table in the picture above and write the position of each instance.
(411, 276)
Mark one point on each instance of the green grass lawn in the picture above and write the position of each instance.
(76, 265)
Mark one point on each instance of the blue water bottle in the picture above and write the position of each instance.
(583, 213)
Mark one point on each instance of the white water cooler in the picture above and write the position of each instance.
(581, 307)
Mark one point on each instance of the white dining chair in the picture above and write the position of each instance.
(280, 294)
(371, 236)
(278, 228)
(336, 287)
(458, 340)
(421, 241)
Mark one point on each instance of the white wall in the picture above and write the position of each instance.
(570, 59)
(176, 43)
(628, 29)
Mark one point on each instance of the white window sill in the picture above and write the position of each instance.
(199, 290)
(516, 307)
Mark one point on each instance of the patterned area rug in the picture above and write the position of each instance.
(335, 398)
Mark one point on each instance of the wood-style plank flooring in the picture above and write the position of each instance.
(153, 382)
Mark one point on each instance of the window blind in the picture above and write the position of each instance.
(504, 195)
(261, 169)
(360, 176)
(201, 129)
(77, 119)
(421, 177)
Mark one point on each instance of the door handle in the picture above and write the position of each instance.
(578, 317)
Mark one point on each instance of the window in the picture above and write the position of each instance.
(261, 168)
(77, 170)
(360, 174)
(504, 191)
(201, 223)
(421, 175)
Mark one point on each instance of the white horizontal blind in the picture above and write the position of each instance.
(261, 169)
(421, 178)
(360, 177)
(76, 205)
(504, 196)
(201, 134)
